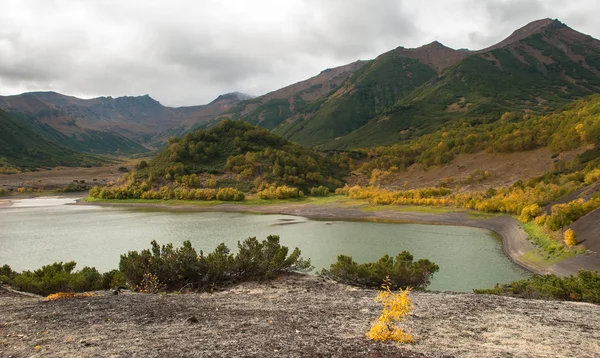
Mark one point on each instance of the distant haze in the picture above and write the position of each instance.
(189, 52)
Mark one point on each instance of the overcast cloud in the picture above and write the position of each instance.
(189, 52)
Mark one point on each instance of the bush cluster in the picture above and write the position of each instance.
(167, 193)
(60, 277)
(184, 267)
(402, 272)
(583, 287)
(564, 215)
(280, 192)
(319, 191)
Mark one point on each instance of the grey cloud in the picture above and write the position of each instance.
(185, 53)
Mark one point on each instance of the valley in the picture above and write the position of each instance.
(486, 162)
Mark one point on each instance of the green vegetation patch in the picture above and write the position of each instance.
(551, 249)
(583, 287)
(401, 271)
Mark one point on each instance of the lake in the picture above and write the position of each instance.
(36, 232)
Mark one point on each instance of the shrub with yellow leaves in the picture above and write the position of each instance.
(66, 295)
(395, 307)
(570, 238)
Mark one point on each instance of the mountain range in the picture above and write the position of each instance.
(401, 94)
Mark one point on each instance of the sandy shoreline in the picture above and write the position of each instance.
(514, 239)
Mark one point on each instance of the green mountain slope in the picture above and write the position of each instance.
(294, 101)
(539, 74)
(369, 93)
(22, 147)
(406, 93)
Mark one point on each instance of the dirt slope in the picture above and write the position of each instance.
(587, 232)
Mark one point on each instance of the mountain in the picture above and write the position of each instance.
(22, 148)
(107, 125)
(292, 102)
(405, 93)
(400, 95)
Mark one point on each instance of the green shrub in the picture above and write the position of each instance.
(183, 267)
(6, 274)
(73, 188)
(58, 277)
(402, 271)
(320, 191)
(267, 259)
(143, 164)
(113, 279)
(583, 287)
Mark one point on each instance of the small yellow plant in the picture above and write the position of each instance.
(395, 307)
(66, 295)
(570, 238)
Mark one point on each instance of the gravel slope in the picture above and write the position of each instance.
(295, 316)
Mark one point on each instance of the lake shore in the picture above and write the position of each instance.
(293, 316)
(514, 239)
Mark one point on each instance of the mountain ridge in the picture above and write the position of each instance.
(398, 95)
(540, 67)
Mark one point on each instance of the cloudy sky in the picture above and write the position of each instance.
(189, 52)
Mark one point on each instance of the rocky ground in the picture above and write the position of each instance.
(295, 316)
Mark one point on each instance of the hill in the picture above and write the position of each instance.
(23, 148)
(405, 93)
(241, 153)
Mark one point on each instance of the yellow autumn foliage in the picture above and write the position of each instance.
(395, 307)
(66, 295)
(570, 238)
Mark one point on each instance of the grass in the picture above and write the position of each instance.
(483, 215)
(535, 257)
(550, 249)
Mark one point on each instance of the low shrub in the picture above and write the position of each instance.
(570, 238)
(395, 307)
(402, 271)
(280, 192)
(6, 274)
(67, 295)
(57, 277)
(73, 188)
(230, 194)
(583, 287)
(320, 191)
(175, 269)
